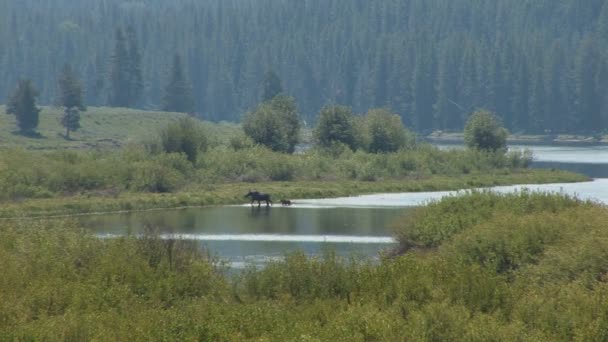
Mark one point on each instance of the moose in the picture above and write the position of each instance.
(286, 202)
(259, 197)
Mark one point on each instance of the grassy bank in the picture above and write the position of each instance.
(506, 267)
(34, 183)
(232, 193)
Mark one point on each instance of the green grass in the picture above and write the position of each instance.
(101, 127)
(232, 193)
(523, 267)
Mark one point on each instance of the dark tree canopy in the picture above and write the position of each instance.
(71, 98)
(271, 86)
(126, 82)
(178, 91)
(535, 63)
(22, 104)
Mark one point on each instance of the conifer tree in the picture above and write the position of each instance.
(178, 92)
(135, 78)
(22, 104)
(71, 98)
(271, 86)
(119, 73)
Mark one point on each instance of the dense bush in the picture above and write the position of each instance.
(335, 124)
(29, 174)
(386, 132)
(521, 266)
(483, 131)
(186, 136)
(274, 124)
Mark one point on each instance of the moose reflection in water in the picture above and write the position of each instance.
(259, 197)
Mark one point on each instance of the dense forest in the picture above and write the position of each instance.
(541, 65)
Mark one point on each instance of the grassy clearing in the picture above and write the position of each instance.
(102, 127)
(523, 267)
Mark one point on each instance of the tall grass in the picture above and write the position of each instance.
(31, 174)
(524, 267)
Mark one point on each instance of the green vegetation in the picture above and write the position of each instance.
(102, 127)
(275, 124)
(130, 178)
(540, 65)
(22, 104)
(483, 131)
(178, 92)
(70, 97)
(186, 136)
(517, 267)
(336, 125)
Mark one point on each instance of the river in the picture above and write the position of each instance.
(359, 225)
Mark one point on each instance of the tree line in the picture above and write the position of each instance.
(542, 66)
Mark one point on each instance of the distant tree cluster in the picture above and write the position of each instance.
(379, 131)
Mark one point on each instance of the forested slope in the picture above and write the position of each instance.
(541, 65)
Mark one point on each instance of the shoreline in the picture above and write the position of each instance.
(543, 140)
(232, 193)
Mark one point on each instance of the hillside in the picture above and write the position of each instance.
(541, 65)
(101, 127)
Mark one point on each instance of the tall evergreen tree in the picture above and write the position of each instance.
(71, 98)
(178, 92)
(587, 100)
(135, 78)
(119, 73)
(271, 86)
(22, 104)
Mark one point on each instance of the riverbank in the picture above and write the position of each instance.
(232, 193)
(515, 139)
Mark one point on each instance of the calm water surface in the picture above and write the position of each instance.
(360, 225)
(242, 234)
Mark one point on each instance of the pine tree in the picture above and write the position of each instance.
(134, 76)
(22, 104)
(71, 98)
(271, 86)
(587, 99)
(119, 73)
(178, 92)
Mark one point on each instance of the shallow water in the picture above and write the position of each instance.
(245, 234)
(360, 225)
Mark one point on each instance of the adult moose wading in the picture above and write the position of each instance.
(259, 197)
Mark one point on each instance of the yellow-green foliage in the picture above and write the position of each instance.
(524, 267)
(36, 174)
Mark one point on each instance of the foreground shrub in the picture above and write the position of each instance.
(437, 222)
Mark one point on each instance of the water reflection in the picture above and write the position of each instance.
(251, 234)
(242, 234)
